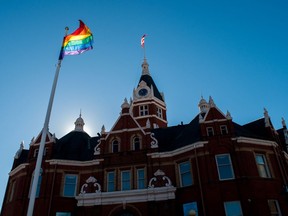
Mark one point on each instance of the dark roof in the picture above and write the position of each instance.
(76, 145)
(22, 159)
(171, 138)
(282, 138)
(255, 129)
(148, 79)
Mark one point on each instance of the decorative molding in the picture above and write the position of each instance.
(90, 180)
(157, 179)
(255, 141)
(74, 163)
(97, 148)
(129, 196)
(154, 142)
(159, 103)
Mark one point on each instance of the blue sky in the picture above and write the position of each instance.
(235, 51)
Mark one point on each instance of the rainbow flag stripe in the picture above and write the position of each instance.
(78, 42)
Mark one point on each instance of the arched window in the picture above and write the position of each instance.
(115, 146)
(136, 143)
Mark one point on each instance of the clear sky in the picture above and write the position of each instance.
(235, 51)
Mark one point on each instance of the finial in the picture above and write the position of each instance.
(79, 123)
(103, 130)
(203, 105)
(125, 104)
(148, 124)
(228, 115)
(80, 113)
(266, 118)
(283, 123)
(66, 30)
(211, 102)
(18, 153)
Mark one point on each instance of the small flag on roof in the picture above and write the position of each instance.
(78, 42)
(143, 40)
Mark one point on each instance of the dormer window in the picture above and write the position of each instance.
(143, 110)
(136, 143)
(35, 152)
(115, 146)
(210, 131)
(223, 129)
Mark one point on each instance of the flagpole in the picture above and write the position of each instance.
(43, 139)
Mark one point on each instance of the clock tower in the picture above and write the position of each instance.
(148, 104)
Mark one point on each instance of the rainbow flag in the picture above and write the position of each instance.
(78, 42)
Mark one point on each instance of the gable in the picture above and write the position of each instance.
(214, 114)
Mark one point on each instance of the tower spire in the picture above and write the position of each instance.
(145, 67)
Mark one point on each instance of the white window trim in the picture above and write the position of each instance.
(76, 183)
(133, 142)
(232, 202)
(139, 178)
(222, 128)
(233, 175)
(112, 145)
(180, 174)
(207, 131)
(159, 112)
(277, 205)
(145, 108)
(128, 171)
(266, 165)
(110, 181)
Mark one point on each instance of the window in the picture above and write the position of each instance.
(38, 184)
(185, 174)
(11, 191)
(111, 181)
(35, 152)
(159, 112)
(262, 165)
(143, 110)
(115, 146)
(63, 214)
(274, 208)
(224, 166)
(210, 131)
(188, 208)
(223, 129)
(233, 208)
(125, 180)
(136, 143)
(140, 179)
(70, 185)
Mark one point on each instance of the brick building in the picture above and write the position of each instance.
(211, 166)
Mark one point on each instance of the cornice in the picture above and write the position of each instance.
(178, 151)
(129, 196)
(74, 163)
(255, 141)
(144, 102)
(17, 169)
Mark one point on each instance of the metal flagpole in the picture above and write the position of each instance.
(43, 139)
